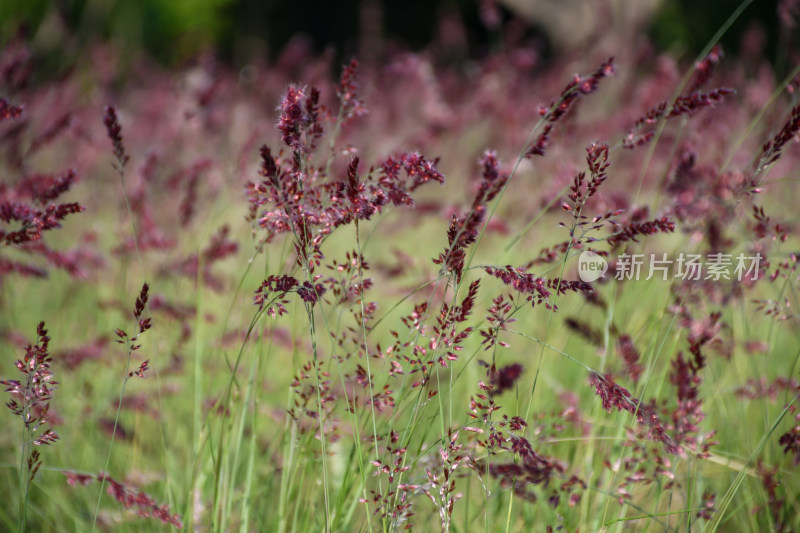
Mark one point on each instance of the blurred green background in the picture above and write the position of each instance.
(237, 31)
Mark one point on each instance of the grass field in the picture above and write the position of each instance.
(301, 297)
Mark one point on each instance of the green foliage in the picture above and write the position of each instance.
(171, 31)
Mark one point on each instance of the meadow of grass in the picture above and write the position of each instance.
(303, 298)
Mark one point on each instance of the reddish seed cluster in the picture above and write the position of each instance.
(33, 221)
(776, 503)
(550, 254)
(791, 440)
(299, 120)
(630, 232)
(463, 230)
(272, 292)
(576, 193)
(522, 282)
(579, 86)
(294, 200)
(597, 159)
(764, 227)
(503, 379)
(312, 392)
(441, 487)
(349, 91)
(41, 214)
(533, 469)
(585, 330)
(447, 338)
(499, 318)
(761, 388)
(310, 293)
(686, 377)
(630, 355)
(709, 502)
(16, 65)
(460, 234)
(349, 281)
(685, 104)
(482, 407)
(114, 130)
(613, 396)
(419, 170)
(536, 290)
(395, 501)
(138, 309)
(530, 469)
(772, 149)
(30, 397)
(143, 324)
(144, 504)
(704, 69)
(693, 102)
